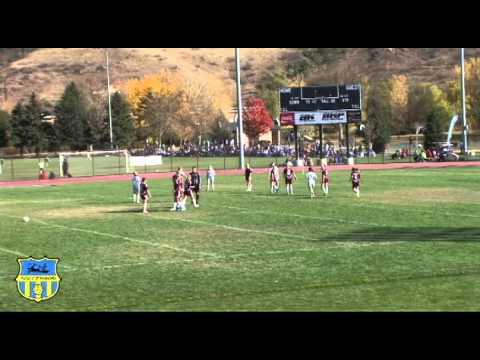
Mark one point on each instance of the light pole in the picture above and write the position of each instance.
(109, 100)
(239, 104)
(464, 108)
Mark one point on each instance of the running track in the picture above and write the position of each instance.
(150, 176)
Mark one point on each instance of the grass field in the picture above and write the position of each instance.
(410, 243)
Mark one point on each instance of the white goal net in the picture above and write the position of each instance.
(91, 163)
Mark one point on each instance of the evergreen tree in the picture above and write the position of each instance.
(72, 119)
(433, 131)
(26, 125)
(34, 114)
(4, 128)
(122, 122)
(379, 115)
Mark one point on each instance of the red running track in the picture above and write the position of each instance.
(151, 176)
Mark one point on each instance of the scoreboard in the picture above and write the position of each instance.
(320, 98)
(321, 104)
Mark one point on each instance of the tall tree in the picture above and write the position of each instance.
(157, 114)
(72, 119)
(399, 98)
(26, 125)
(425, 99)
(257, 120)
(34, 113)
(379, 115)
(434, 127)
(122, 121)
(4, 128)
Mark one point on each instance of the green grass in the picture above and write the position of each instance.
(410, 243)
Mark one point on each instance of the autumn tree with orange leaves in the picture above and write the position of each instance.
(166, 105)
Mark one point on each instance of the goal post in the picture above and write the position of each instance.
(87, 163)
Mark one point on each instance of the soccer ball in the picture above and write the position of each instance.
(26, 219)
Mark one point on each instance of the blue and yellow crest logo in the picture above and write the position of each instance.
(37, 279)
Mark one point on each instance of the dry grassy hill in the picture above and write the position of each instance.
(47, 71)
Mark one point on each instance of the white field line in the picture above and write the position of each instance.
(342, 197)
(338, 244)
(277, 234)
(427, 211)
(144, 242)
(289, 214)
(13, 252)
(14, 202)
(234, 228)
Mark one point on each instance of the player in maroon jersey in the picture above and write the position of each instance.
(248, 177)
(290, 177)
(356, 181)
(325, 179)
(190, 190)
(145, 194)
(178, 182)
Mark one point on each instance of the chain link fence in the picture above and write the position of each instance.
(15, 168)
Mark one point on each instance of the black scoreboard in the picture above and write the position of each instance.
(321, 98)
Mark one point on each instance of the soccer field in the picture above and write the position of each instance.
(410, 243)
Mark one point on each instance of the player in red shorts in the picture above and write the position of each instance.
(325, 179)
(290, 177)
(356, 181)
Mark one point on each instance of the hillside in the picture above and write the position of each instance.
(47, 71)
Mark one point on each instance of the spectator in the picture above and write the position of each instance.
(65, 167)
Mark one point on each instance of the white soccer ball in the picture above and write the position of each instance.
(26, 219)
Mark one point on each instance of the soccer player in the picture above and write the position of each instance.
(210, 178)
(196, 184)
(290, 177)
(180, 195)
(274, 179)
(136, 181)
(325, 179)
(312, 180)
(248, 177)
(145, 194)
(176, 180)
(189, 192)
(356, 181)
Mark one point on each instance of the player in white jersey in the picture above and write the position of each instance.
(312, 181)
(274, 179)
(136, 181)
(210, 178)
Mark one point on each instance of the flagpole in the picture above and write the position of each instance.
(464, 107)
(109, 101)
(240, 116)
